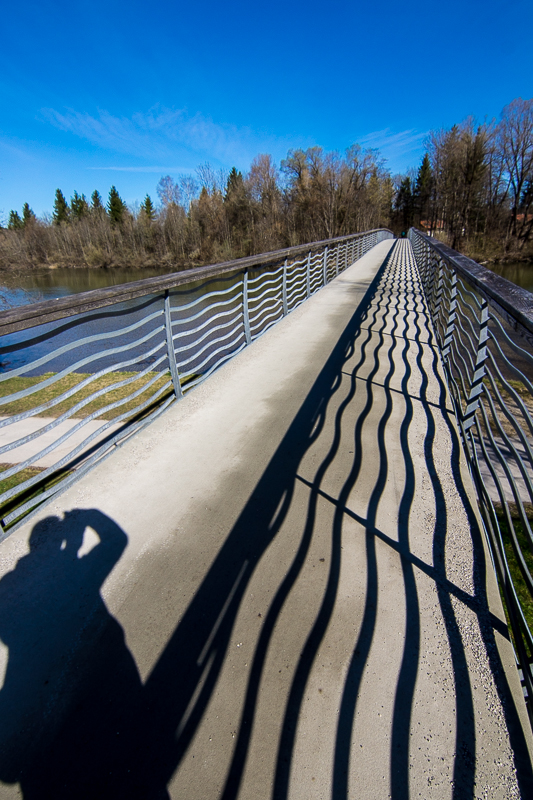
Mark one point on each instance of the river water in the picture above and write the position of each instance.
(518, 272)
(52, 284)
(207, 322)
(128, 336)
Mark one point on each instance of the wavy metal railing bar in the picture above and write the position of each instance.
(117, 357)
(482, 322)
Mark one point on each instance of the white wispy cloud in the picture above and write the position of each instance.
(394, 145)
(144, 169)
(166, 134)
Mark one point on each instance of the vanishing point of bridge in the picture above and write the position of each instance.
(283, 586)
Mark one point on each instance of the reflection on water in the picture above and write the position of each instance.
(518, 272)
(51, 284)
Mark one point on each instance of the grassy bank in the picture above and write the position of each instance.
(522, 591)
(108, 383)
(38, 488)
(112, 393)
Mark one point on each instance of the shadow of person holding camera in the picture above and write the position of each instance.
(72, 710)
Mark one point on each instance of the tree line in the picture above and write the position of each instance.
(211, 216)
(473, 189)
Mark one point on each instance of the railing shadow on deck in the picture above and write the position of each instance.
(118, 737)
(123, 354)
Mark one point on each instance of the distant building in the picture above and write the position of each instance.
(432, 227)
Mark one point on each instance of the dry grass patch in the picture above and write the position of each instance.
(33, 491)
(108, 382)
(521, 588)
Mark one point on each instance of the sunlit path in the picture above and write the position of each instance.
(282, 589)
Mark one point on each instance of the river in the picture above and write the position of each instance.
(51, 284)
(32, 287)
(516, 271)
(135, 347)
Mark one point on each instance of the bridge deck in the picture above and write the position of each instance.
(286, 595)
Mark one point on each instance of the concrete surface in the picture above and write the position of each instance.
(277, 590)
(31, 425)
(513, 467)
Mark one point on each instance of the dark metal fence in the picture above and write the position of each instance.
(81, 374)
(484, 328)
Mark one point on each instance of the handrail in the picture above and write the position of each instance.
(79, 375)
(27, 316)
(490, 378)
(511, 301)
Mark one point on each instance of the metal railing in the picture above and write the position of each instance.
(484, 328)
(81, 374)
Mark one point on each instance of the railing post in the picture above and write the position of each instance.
(174, 374)
(309, 275)
(452, 314)
(476, 387)
(245, 311)
(337, 260)
(325, 266)
(284, 290)
(431, 259)
(427, 258)
(435, 298)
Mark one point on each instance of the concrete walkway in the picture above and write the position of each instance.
(279, 589)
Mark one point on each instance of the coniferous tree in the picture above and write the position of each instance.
(148, 207)
(237, 210)
(423, 189)
(15, 223)
(115, 206)
(61, 209)
(27, 214)
(404, 204)
(78, 205)
(96, 201)
(234, 183)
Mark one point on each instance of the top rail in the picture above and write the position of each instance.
(511, 301)
(28, 316)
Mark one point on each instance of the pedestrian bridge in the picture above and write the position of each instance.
(285, 585)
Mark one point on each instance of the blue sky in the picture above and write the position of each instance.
(97, 94)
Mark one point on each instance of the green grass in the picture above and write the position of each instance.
(113, 394)
(38, 488)
(108, 381)
(522, 591)
(518, 386)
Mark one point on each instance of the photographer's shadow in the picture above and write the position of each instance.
(69, 725)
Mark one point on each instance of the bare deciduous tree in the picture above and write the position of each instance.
(168, 192)
(515, 142)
